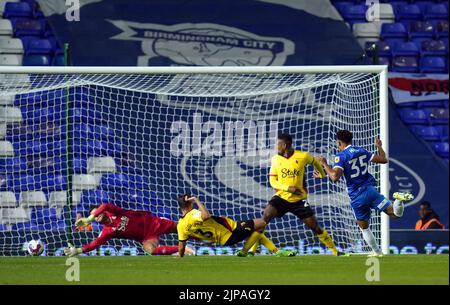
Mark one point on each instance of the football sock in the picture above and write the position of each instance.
(266, 242)
(398, 208)
(251, 241)
(328, 241)
(165, 250)
(254, 248)
(370, 240)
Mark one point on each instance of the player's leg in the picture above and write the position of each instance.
(312, 223)
(304, 212)
(361, 207)
(151, 246)
(270, 212)
(369, 237)
(256, 226)
(396, 209)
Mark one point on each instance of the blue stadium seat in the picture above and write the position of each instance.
(17, 9)
(407, 13)
(22, 182)
(104, 132)
(421, 29)
(434, 48)
(139, 182)
(110, 182)
(442, 30)
(89, 148)
(82, 131)
(43, 164)
(39, 115)
(50, 182)
(57, 114)
(36, 60)
(27, 28)
(383, 48)
(405, 49)
(428, 133)
(354, 13)
(43, 215)
(87, 115)
(413, 116)
(79, 165)
(393, 32)
(438, 116)
(436, 12)
(13, 165)
(96, 197)
(133, 199)
(433, 64)
(441, 149)
(41, 98)
(50, 131)
(39, 47)
(19, 132)
(443, 132)
(407, 64)
(29, 148)
(162, 211)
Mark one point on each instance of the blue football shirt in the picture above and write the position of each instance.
(354, 162)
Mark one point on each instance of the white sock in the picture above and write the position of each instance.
(398, 208)
(370, 240)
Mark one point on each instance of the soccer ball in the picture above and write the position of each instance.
(35, 247)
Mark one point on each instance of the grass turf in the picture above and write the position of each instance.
(395, 269)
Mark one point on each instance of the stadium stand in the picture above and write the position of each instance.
(413, 37)
(413, 40)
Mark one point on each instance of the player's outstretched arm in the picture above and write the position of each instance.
(181, 248)
(204, 212)
(380, 156)
(334, 173)
(318, 168)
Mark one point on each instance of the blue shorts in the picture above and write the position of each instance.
(368, 199)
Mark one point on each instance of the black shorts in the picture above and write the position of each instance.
(243, 231)
(301, 208)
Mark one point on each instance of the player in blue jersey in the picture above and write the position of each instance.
(352, 162)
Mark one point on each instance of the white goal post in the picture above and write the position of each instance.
(126, 105)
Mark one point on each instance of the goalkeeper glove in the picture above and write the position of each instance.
(82, 222)
(72, 251)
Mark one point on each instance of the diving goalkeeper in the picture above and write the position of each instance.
(200, 224)
(117, 222)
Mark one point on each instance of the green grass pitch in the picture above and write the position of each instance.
(313, 269)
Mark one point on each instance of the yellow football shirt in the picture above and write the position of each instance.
(286, 172)
(215, 229)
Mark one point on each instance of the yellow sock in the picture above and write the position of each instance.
(328, 241)
(255, 247)
(266, 242)
(251, 241)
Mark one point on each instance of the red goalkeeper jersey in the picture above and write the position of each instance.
(128, 224)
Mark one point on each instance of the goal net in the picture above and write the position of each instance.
(72, 140)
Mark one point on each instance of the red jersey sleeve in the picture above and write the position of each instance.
(109, 207)
(104, 236)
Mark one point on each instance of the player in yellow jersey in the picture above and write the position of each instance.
(200, 224)
(287, 177)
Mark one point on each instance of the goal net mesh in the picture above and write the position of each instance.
(139, 140)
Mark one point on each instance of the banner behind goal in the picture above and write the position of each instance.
(138, 137)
